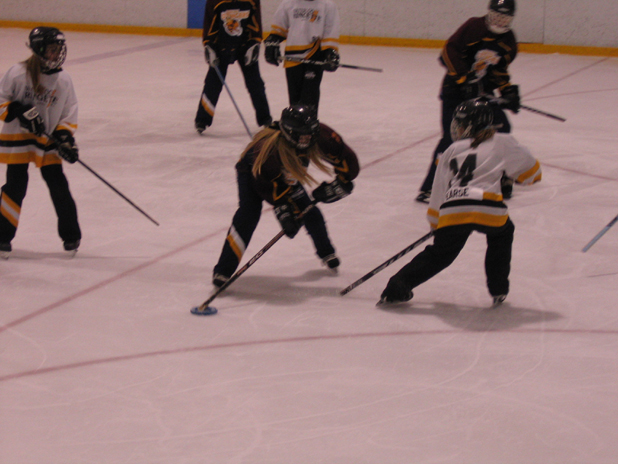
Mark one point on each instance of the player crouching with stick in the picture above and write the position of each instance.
(273, 168)
(466, 197)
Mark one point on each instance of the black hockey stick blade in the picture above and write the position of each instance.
(385, 264)
(322, 63)
(600, 234)
(543, 113)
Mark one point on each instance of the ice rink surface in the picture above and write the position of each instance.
(102, 362)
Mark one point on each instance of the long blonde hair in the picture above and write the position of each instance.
(33, 69)
(483, 135)
(272, 139)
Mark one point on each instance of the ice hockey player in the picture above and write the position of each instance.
(232, 32)
(37, 97)
(466, 197)
(273, 168)
(311, 31)
(477, 57)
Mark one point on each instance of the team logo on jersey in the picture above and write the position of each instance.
(46, 96)
(307, 14)
(232, 20)
(484, 59)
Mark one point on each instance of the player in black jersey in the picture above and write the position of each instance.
(273, 168)
(477, 57)
(232, 32)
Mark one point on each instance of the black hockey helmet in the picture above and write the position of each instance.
(300, 126)
(470, 118)
(40, 38)
(500, 15)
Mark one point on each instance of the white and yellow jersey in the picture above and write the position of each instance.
(57, 105)
(466, 188)
(308, 26)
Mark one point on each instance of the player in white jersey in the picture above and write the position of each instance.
(466, 197)
(311, 31)
(37, 97)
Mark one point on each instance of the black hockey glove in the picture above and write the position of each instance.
(252, 54)
(28, 116)
(331, 60)
(332, 192)
(272, 52)
(286, 217)
(67, 149)
(509, 97)
(211, 56)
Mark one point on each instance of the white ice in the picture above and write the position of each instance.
(102, 362)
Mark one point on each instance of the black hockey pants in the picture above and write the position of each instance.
(14, 191)
(304, 84)
(213, 86)
(448, 243)
(246, 220)
(448, 109)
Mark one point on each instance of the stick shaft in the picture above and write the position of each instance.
(250, 263)
(233, 101)
(322, 63)
(600, 234)
(57, 142)
(385, 264)
(544, 113)
(116, 190)
(242, 270)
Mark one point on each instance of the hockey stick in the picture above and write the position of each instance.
(600, 234)
(204, 309)
(233, 101)
(500, 101)
(381, 267)
(57, 142)
(543, 113)
(322, 63)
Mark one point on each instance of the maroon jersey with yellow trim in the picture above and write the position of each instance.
(273, 183)
(473, 52)
(229, 25)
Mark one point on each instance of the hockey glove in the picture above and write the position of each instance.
(67, 149)
(510, 98)
(28, 116)
(332, 192)
(287, 219)
(331, 60)
(272, 52)
(252, 54)
(211, 56)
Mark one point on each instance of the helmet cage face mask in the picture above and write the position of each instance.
(498, 23)
(40, 40)
(300, 126)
